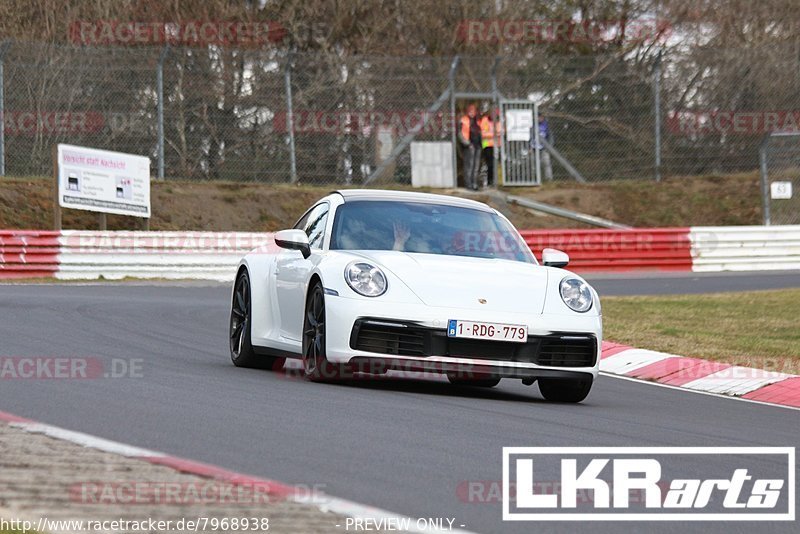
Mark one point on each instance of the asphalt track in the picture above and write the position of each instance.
(691, 283)
(402, 445)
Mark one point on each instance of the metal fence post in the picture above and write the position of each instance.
(494, 113)
(762, 160)
(160, 90)
(451, 78)
(3, 49)
(287, 78)
(657, 113)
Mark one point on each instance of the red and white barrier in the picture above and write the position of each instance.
(662, 249)
(697, 248)
(74, 254)
(745, 248)
(114, 255)
(29, 254)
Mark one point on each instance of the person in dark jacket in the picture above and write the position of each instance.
(490, 130)
(546, 134)
(469, 136)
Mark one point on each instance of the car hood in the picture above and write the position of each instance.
(465, 282)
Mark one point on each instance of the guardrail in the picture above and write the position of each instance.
(28, 254)
(662, 249)
(214, 255)
(114, 255)
(745, 248)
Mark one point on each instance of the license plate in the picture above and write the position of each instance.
(494, 331)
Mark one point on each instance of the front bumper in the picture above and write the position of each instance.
(474, 368)
(344, 315)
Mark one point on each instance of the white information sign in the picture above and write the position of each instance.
(432, 164)
(780, 190)
(518, 124)
(99, 180)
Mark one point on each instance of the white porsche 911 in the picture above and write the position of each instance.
(370, 281)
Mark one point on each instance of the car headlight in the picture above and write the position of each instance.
(365, 279)
(576, 294)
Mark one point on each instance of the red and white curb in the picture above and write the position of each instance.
(701, 375)
(322, 502)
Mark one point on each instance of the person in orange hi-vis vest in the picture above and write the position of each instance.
(489, 129)
(469, 136)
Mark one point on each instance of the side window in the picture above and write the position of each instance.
(314, 225)
(301, 224)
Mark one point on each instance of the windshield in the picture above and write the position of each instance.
(426, 228)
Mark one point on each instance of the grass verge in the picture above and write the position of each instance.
(755, 329)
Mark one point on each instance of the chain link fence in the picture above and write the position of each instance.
(268, 115)
(780, 178)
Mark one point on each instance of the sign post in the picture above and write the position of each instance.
(102, 181)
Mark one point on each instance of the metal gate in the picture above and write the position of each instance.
(520, 149)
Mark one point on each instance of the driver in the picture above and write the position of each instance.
(404, 241)
(401, 235)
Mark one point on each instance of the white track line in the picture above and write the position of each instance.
(86, 440)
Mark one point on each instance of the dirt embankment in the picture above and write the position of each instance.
(227, 206)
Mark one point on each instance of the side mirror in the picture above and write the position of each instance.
(293, 240)
(554, 258)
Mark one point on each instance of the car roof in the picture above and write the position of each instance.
(410, 196)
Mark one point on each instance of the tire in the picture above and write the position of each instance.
(316, 366)
(242, 353)
(565, 390)
(488, 382)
